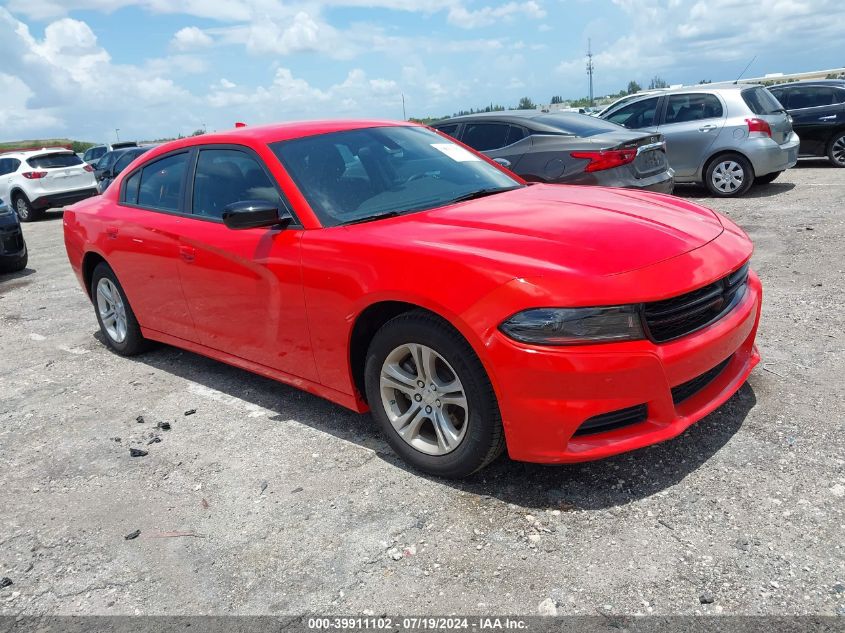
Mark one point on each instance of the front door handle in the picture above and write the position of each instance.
(706, 128)
(187, 253)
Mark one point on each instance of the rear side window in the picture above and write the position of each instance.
(486, 136)
(516, 134)
(692, 107)
(130, 189)
(95, 153)
(761, 101)
(812, 97)
(161, 183)
(9, 165)
(579, 125)
(225, 176)
(636, 115)
(448, 129)
(51, 161)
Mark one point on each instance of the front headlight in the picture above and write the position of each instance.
(575, 326)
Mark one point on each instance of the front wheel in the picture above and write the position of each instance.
(114, 314)
(23, 207)
(836, 150)
(431, 396)
(729, 175)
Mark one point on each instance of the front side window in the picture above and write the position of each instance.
(486, 136)
(636, 115)
(449, 130)
(225, 176)
(360, 174)
(9, 166)
(813, 97)
(161, 183)
(692, 107)
(52, 161)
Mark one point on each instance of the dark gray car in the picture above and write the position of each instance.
(566, 148)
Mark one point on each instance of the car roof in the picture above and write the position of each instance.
(512, 116)
(28, 153)
(840, 83)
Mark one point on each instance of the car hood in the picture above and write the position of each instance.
(588, 230)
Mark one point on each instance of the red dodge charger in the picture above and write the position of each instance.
(389, 268)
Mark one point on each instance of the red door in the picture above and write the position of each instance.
(243, 288)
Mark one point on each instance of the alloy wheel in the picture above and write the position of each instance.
(112, 310)
(728, 176)
(837, 152)
(424, 399)
(22, 208)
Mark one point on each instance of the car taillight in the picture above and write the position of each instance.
(87, 167)
(606, 159)
(34, 175)
(759, 125)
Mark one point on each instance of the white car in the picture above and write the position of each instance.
(36, 180)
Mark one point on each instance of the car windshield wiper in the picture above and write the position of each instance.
(371, 218)
(481, 193)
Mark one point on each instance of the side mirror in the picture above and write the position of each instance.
(504, 162)
(102, 174)
(254, 214)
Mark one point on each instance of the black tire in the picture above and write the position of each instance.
(836, 150)
(483, 439)
(767, 178)
(23, 207)
(133, 343)
(747, 175)
(13, 266)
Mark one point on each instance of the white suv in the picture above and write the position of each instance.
(35, 180)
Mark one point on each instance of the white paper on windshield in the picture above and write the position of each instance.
(455, 152)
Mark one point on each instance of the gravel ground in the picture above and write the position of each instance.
(269, 501)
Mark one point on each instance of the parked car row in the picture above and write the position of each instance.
(13, 253)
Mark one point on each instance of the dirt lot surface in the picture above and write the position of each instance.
(270, 501)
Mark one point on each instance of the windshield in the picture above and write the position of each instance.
(578, 124)
(359, 174)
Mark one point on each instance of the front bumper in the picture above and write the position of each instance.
(768, 157)
(62, 199)
(545, 394)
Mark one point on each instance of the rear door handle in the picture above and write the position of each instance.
(187, 253)
(706, 128)
(827, 118)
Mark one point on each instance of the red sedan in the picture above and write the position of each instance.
(388, 268)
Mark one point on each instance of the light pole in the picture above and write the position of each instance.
(404, 118)
(117, 134)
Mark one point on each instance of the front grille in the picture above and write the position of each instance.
(613, 420)
(679, 316)
(692, 387)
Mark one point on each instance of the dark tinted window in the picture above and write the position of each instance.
(225, 176)
(130, 189)
(636, 115)
(124, 160)
(485, 136)
(812, 97)
(161, 183)
(516, 133)
(577, 124)
(50, 161)
(357, 174)
(448, 129)
(681, 108)
(9, 165)
(761, 101)
(108, 160)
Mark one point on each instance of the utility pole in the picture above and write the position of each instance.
(404, 118)
(590, 68)
(117, 134)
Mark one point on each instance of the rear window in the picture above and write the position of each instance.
(761, 101)
(52, 161)
(577, 124)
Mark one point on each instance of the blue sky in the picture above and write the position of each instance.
(152, 68)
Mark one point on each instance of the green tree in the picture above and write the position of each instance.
(657, 82)
(556, 99)
(633, 87)
(704, 81)
(198, 132)
(526, 104)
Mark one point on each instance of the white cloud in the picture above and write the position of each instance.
(485, 16)
(190, 38)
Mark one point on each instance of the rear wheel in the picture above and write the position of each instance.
(431, 396)
(836, 150)
(114, 314)
(767, 178)
(23, 207)
(729, 175)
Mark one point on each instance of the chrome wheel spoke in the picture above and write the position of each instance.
(408, 424)
(112, 311)
(398, 378)
(447, 435)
